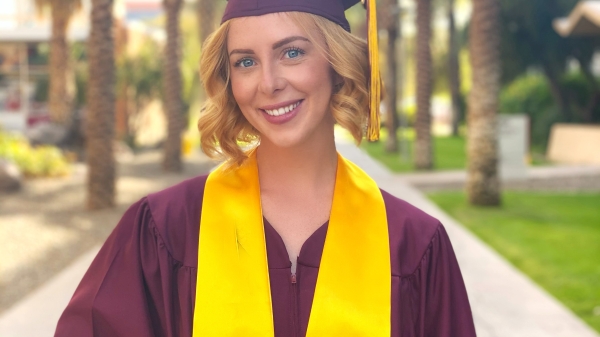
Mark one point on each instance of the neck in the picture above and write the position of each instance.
(310, 165)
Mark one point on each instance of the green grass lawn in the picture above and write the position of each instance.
(553, 238)
(449, 153)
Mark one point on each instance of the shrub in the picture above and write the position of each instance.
(580, 93)
(528, 94)
(531, 94)
(42, 161)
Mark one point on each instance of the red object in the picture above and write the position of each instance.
(329, 9)
(33, 120)
(143, 281)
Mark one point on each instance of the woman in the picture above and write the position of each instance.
(293, 239)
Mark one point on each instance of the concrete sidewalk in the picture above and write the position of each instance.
(37, 314)
(504, 301)
(539, 178)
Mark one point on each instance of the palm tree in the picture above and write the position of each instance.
(206, 17)
(206, 14)
(172, 88)
(423, 146)
(62, 87)
(453, 68)
(483, 186)
(391, 122)
(101, 107)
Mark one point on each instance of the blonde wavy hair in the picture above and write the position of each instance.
(224, 131)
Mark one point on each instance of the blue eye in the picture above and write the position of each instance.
(293, 53)
(244, 63)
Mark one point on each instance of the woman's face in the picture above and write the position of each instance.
(280, 79)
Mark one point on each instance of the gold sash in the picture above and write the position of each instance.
(353, 292)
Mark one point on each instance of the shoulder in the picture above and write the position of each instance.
(176, 213)
(411, 231)
(173, 197)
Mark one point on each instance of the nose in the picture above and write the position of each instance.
(271, 80)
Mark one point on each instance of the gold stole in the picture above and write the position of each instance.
(353, 292)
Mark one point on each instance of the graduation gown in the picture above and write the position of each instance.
(143, 280)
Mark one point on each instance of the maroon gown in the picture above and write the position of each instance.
(143, 281)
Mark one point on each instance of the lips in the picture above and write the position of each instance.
(281, 113)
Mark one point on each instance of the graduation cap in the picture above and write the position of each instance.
(332, 10)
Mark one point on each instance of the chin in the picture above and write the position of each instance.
(283, 141)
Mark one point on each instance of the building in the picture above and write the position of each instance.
(24, 31)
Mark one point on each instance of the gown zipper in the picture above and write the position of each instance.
(294, 305)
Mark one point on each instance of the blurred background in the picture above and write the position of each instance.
(491, 111)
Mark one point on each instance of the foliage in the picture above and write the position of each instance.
(190, 54)
(190, 60)
(40, 92)
(529, 41)
(552, 237)
(441, 55)
(531, 94)
(139, 79)
(141, 74)
(42, 85)
(78, 55)
(42, 161)
(81, 82)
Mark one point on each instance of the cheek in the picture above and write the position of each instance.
(241, 90)
(315, 78)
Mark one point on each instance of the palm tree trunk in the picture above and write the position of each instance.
(391, 88)
(453, 68)
(172, 87)
(61, 80)
(206, 17)
(483, 186)
(101, 108)
(423, 147)
(206, 13)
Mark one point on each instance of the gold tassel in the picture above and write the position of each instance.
(374, 76)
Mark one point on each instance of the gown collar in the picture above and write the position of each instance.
(310, 253)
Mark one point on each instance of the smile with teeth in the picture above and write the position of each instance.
(283, 110)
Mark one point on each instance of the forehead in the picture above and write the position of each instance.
(254, 31)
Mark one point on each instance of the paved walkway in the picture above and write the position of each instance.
(504, 301)
(540, 178)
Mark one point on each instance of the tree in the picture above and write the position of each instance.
(139, 80)
(483, 185)
(529, 40)
(172, 88)
(423, 145)
(205, 10)
(453, 68)
(101, 107)
(62, 86)
(391, 88)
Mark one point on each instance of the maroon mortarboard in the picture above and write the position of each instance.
(329, 9)
(332, 10)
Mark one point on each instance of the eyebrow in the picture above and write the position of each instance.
(287, 40)
(276, 45)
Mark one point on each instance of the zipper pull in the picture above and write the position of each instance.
(293, 278)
